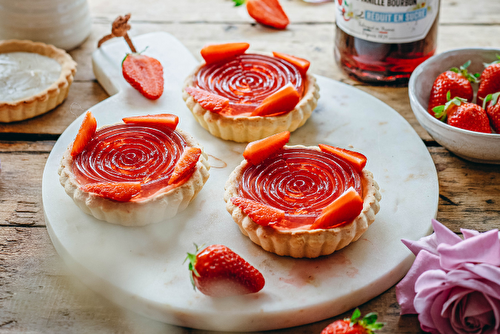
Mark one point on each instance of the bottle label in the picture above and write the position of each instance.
(386, 21)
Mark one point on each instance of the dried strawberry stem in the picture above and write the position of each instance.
(119, 29)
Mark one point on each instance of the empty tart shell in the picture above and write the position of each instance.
(251, 128)
(304, 243)
(158, 207)
(47, 99)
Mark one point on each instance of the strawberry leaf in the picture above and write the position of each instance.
(370, 318)
(238, 2)
(493, 63)
(491, 97)
(355, 316)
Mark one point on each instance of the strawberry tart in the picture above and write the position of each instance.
(138, 172)
(301, 201)
(245, 96)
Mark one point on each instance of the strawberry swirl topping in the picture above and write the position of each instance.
(130, 153)
(247, 79)
(299, 181)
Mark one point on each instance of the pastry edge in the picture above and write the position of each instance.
(247, 129)
(155, 209)
(49, 98)
(307, 243)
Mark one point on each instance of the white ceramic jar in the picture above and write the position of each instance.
(63, 23)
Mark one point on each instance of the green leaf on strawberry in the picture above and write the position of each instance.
(238, 2)
(463, 71)
(491, 97)
(485, 64)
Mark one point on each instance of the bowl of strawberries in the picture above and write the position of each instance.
(454, 97)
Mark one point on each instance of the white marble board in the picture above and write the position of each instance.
(142, 268)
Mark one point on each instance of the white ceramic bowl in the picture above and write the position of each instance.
(473, 146)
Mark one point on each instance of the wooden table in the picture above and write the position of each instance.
(38, 294)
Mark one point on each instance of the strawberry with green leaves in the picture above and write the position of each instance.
(459, 113)
(492, 106)
(354, 326)
(457, 81)
(217, 271)
(490, 80)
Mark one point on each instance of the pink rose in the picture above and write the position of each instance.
(454, 284)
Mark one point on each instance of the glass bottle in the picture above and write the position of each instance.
(381, 42)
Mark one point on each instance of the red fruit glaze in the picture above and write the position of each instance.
(168, 120)
(209, 101)
(246, 80)
(300, 63)
(85, 133)
(223, 273)
(259, 150)
(118, 191)
(344, 209)
(146, 154)
(450, 81)
(490, 82)
(358, 160)
(260, 213)
(268, 12)
(302, 182)
(280, 102)
(144, 74)
(219, 52)
(469, 116)
(186, 164)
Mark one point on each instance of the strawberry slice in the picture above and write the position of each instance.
(85, 134)
(209, 101)
(217, 271)
(260, 213)
(185, 165)
(144, 74)
(168, 120)
(118, 191)
(356, 159)
(283, 100)
(268, 12)
(259, 150)
(300, 63)
(344, 209)
(218, 52)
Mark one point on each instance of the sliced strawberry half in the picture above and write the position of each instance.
(118, 191)
(85, 134)
(300, 63)
(259, 150)
(284, 100)
(260, 213)
(144, 74)
(168, 120)
(268, 12)
(209, 101)
(185, 165)
(356, 159)
(218, 52)
(344, 209)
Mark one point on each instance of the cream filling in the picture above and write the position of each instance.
(24, 74)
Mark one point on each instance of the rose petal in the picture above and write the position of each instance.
(484, 248)
(405, 290)
(484, 271)
(430, 243)
(469, 233)
(470, 280)
(495, 307)
(430, 284)
(470, 313)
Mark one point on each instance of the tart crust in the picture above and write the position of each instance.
(251, 128)
(160, 206)
(304, 243)
(50, 97)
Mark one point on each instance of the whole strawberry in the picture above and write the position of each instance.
(458, 113)
(492, 106)
(217, 271)
(457, 81)
(490, 80)
(354, 326)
